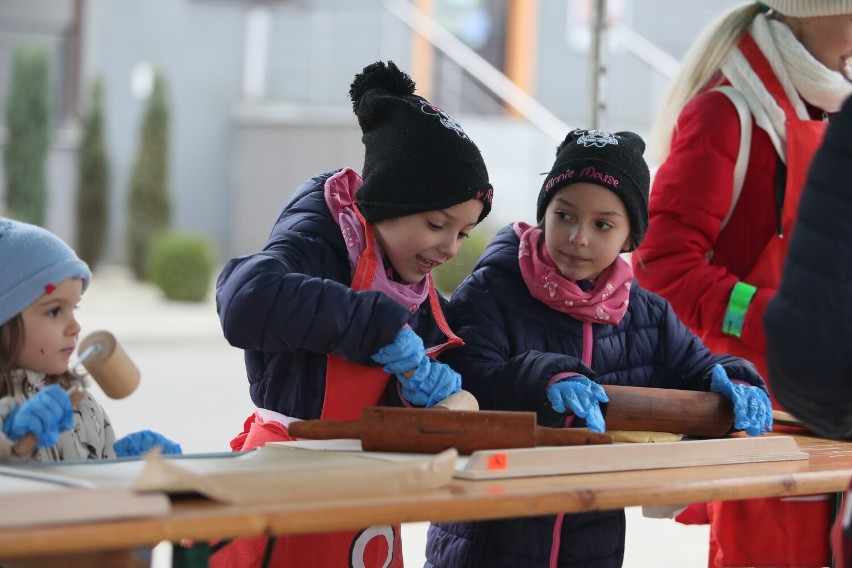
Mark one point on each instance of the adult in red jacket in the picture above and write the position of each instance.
(715, 253)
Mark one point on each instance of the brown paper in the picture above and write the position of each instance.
(287, 474)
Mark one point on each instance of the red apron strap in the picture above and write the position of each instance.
(764, 71)
(452, 339)
(367, 263)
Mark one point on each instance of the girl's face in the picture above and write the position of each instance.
(827, 38)
(585, 228)
(50, 329)
(416, 244)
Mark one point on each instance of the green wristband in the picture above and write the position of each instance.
(741, 297)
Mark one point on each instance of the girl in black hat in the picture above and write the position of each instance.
(551, 313)
(339, 311)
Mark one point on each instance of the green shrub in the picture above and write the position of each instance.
(449, 275)
(92, 183)
(181, 265)
(27, 135)
(150, 203)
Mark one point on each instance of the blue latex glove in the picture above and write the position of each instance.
(46, 414)
(431, 382)
(752, 409)
(140, 443)
(404, 354)
(582, 396)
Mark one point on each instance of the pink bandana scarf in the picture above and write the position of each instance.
(340, 198)
(605, 303)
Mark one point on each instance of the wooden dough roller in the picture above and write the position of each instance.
(432, 430)
(109, 366)
(691, 413)
(385, 429)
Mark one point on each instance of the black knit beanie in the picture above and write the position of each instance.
(611, 160)
(417, 158)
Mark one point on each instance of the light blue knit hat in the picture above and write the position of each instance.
(32, 258)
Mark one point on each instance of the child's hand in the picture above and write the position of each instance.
(430, 383)
(752, 409)
(46, 414)
(582, 396)
(404, 354)
(140, 443)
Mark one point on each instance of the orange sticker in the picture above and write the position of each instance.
(497, 462)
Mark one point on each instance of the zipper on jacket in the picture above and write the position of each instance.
(780, 191)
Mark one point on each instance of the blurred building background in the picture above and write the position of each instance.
(258, 90)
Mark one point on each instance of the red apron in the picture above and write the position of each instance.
(349, 387)
(772, 532)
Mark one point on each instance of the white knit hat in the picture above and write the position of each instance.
(31, 259)
(809, 8)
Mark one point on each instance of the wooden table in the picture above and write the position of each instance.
(828, 470)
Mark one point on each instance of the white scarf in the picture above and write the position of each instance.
(800, 74)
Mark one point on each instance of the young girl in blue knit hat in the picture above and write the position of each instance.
(339, 311)
(551, 313)
(41, 283)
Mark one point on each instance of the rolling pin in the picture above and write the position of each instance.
(110, 367)
(691, 413)
(432, 430)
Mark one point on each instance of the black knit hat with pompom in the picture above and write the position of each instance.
(610, 159)
(417, 158)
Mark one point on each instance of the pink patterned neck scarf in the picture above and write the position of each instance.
(605, 303)
(340, 197)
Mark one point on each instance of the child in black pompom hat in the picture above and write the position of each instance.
(338, 311)
(552, 313)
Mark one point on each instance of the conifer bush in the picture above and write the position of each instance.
(27, 134)
(150, 203)
(92, 182)
(181, 265)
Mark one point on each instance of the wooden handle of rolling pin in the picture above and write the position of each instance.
(545, 436)
(692, 413)
(26, 444)
(351, 429)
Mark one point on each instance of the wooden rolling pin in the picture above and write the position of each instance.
(691, 413)
(432, 430)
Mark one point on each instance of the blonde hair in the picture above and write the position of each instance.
(699, 66)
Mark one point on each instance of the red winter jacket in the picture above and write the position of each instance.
(691, 195)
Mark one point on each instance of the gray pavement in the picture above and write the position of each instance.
(194, 391)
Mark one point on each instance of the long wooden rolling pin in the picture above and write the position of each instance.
(432, 430)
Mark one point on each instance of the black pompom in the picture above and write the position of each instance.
(380, 76)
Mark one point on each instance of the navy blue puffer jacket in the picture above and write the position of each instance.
(514, 345)
(290, 305)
